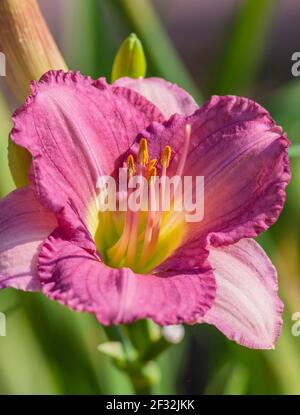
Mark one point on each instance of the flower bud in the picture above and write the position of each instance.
(27, 44)
(29, 51)
(173, 334)
(130, 59)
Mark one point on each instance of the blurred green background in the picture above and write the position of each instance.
(240, 47)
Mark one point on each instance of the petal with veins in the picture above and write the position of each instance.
(168, 97)
(76, 129)
(243, 156)
(77, 278)
(247, 308)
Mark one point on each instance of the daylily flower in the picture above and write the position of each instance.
(54, 239)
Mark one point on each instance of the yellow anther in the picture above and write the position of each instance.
(151, 173)
(130, 165)
(143, 155)
(152, 163)
(151, 170)
(166, 156)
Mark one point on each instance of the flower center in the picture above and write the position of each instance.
(146, 234)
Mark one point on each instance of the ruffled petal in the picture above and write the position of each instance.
(247, 308)
(168, 97)
(77, 278)
(76, 129)
(24, 225)
(242, 155)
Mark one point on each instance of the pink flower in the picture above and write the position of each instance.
(54, 239)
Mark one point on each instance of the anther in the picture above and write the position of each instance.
(152, 163)
(151, 172)
(130, 165)
(166, 156)
(143, 155)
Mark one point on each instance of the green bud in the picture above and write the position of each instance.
(130, 59)
(112, 349)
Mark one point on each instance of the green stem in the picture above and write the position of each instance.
(114, 333)
(141, 374)
(156, 349)
(12, 308)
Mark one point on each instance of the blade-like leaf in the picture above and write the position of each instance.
(241, 57)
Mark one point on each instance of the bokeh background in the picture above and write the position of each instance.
(239, 47)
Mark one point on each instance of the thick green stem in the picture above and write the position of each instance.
(142, 374)
(114, 333)
(156, 349)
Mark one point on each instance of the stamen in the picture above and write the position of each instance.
(130, 165)
(143, 154)
(134, 228)
(138, 243)
(166, 156)
(154, 218)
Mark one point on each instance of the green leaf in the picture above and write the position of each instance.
(237, 382)
(62, 339)
(285, 361)
(130, 59)
(91, 48)
(241, 57)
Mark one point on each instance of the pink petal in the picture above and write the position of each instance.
(243, 156)
(24, 225)
(77, 278)
(168, 97)
(76, 129)
(247, 308)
